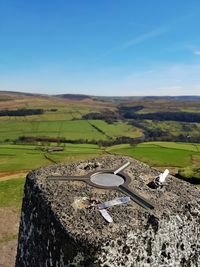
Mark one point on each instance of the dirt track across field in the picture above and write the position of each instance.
(12, 175)
(9, 219)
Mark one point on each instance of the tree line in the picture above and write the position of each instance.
(165, 116)
(130, 113)
(109, 142)
(108, 116)
(21, 112)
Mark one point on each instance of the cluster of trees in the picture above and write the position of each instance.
(58, 140)
(165, 116)
(186, 138)
(119, 140)
(189, 174)
(30, 139)
(108, 116)
(128, 111)
(158, 134)
(21, 112)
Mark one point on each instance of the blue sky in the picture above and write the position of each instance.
(106, 47)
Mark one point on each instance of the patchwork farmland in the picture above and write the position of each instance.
(61, 134)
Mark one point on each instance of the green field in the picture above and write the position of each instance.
(11, 192)
(47, 116)
(117, 129)
(71, 130)
(15, 158)
(161, 153)
(26, 157)
(62, 119)
(185, 146)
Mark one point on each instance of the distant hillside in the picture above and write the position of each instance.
(101, 98)
(73, 96)
(177, 98)
(13, 93)
(148, 98)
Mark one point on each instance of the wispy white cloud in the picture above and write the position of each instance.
(144, 37)
(196, 52)
(139, 39)
(148, 35)
(192, 48)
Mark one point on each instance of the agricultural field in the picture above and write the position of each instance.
(15, 162)
(15, 158)
(11, 192)
(117, 129)
(62, 118)
(71, 130)
(175, 145)
(161, 154)
(19, 159)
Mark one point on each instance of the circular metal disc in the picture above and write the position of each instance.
(107, 179)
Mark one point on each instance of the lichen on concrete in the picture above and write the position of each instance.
(59, 227)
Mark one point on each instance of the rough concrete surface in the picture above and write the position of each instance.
(56, 231)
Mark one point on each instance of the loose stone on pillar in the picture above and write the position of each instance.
(59, 226)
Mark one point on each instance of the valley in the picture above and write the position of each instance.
(73, 127)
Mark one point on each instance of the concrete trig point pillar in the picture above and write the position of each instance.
(60, 228)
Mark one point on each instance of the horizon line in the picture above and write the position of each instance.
(90, 95)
